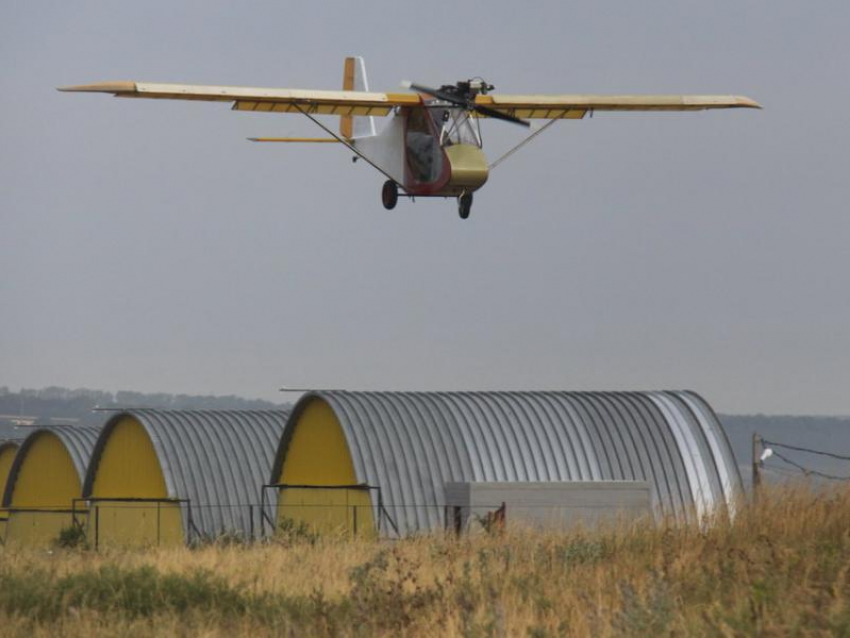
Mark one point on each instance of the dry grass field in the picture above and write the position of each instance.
(780, 568)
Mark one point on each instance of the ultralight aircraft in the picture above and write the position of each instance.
(431, 146)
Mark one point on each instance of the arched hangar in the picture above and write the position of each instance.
(171, 476)
(44, 479)
(8, 449)
(344, 451)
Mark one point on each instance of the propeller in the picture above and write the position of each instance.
(463, 94)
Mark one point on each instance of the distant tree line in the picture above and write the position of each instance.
(782, 422)
(76, 405)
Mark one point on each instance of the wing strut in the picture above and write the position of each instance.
(295, 140)
(521, 144)
(342, 140)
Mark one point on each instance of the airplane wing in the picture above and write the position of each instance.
(574, 107)
(261, 99)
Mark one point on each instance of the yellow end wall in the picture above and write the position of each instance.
(318, 455)
(129, 468)
(7, 456)
(47, 476)
(47, 479)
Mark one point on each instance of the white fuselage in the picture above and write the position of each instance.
(429, 150)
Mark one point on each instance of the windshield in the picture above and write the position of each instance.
(456, 127)
(425, 157)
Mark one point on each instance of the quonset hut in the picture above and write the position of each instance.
(171, 476)
(44, 479)
(8, 449)
(342, 452)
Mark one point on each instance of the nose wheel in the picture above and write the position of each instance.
(389, 194)
(464, 205)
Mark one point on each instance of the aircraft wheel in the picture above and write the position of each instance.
(389, 194)
(464, 205)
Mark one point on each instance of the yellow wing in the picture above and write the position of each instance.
(261, 99)
(574, 107)
(371, 103)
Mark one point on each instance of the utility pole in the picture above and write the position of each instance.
(757, 446)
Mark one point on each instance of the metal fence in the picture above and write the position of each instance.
(160, 522)
(34, 525)
(347, 509)
(315, 512)
(134, 521)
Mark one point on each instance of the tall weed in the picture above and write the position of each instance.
(781, 566)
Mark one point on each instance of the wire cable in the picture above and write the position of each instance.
(810, 472)
(804, 449)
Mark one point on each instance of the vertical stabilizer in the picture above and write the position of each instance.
(354, 79)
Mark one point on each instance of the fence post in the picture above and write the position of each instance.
(190, 523)
(263, 511)
(757, 445)
(458, 519)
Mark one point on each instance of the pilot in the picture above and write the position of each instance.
(423, 151)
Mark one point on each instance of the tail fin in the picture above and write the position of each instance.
(354, 79)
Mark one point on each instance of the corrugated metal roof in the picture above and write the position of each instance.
(217, 459)
(411, 443)
(78, 441)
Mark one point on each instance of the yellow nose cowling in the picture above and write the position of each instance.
(469, 167)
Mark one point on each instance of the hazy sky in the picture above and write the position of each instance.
(145, 245)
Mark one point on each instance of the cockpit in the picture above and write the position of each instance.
(432, 129)
(456, 126)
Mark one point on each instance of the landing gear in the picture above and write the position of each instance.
(464, 205)
(389, 194)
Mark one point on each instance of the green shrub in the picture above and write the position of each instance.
(141, 591)
(71, 537)
(291, 532)
(387, 594)
(223, 539)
